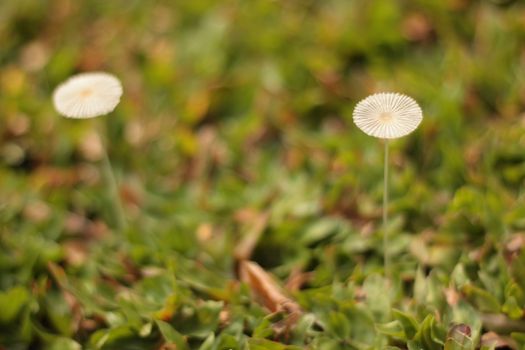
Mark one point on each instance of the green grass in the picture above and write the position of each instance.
(236, 122)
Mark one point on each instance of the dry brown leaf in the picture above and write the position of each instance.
(202, 163)
(59, 275)
(132, 196)
(74, 223)
(297, 279)
(496, 341)
(151, 271)
(224, 317)
(501, 323)
(514, 246)
(49, 176)
(37, 211)
(246, 215)
(92, 58)
(452, 296)
(417, 28)
(244, 250)
(204, 232)
(97, 229)
(18, 125)
(89, 325)
(271, 295)
(76, 252)
(461, 329)
(264, 286)
(516, 243)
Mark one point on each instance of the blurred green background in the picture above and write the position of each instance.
(240, 112)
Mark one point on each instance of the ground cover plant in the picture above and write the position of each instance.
(253, 204)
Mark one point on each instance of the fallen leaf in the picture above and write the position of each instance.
(76, 252)
(37, 211)
(452, 296)
(264, 286)
(417, 28)
(495, 341)
(244, 249)
(54, 177)
(501, 323)
(204, 232)
(297, 279)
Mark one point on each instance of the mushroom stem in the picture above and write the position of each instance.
(111, 181)
(119, 217)
(385, 214)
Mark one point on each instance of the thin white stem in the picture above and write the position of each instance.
(385, 213)
(111, 182)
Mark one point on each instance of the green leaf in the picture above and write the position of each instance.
(227, 341)
(322, 229)
(264, 328)
(58, 312)
(338, 324)
(481, 298)
(171, 335)
(12, 303)
(378, 296)
(106, 336)
(61, 343)
(465, 313)
(513, 289)
(265, 344)
(408, 323)
(208, 343)
(458, 338)
(414, 345)
(511, 308)
(426, 335)
(459, 276)
(392, 329)
(326, 343)
(519, 337)
(514, 299)
(121, 337)
(420, 286)
(52, 341)
(517, 270)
